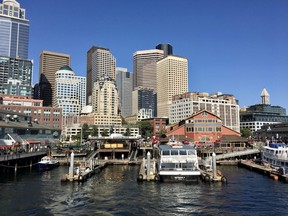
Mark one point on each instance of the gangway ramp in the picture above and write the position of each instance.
(91, 155)
(133, 155)
(237, 154)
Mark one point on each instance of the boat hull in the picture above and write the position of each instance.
(43, 166)
(179, 178)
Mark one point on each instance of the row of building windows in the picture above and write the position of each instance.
(203, 129)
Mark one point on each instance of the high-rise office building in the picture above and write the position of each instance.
(144, 101)
(144, 68)
(70, 91)
(172, 79)
(14, 30)
(124, 82)
(50, 62)
(167, 48)
(15, 76)
(100, 63)
(15, 68)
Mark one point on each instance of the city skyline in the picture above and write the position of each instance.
(232, 47)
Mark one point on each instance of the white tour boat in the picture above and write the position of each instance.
(178, 162)
(276, 154)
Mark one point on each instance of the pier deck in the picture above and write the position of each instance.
(263, 169)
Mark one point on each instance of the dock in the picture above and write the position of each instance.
(83, 171)
(209, 176)
(264, 169)
(148, 170)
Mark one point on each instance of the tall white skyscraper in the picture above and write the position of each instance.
(124, 82)
(172, 79)
(70, 91)
(100, 63)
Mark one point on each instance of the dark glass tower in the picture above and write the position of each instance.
(167, 48)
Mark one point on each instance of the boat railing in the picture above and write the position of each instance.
(178, 169)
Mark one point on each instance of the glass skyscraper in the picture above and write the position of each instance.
(14, 30)
(124, 82)
(15, 67)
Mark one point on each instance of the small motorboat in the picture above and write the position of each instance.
(48, 163)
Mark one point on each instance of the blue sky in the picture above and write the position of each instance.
(235, 47)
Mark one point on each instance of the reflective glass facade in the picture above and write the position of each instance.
(14, 30)
(15, 76)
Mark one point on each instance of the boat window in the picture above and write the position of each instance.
(167, 165)
(174, 152)
(183, 152)
(166, 152)
(190, 152)
(187, 165)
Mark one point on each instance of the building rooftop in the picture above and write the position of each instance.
(66, 67)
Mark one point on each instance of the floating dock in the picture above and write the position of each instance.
(208, 176)
(263, 169)
(148, 170)
(83, 171)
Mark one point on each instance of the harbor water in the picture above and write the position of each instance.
(115, 191)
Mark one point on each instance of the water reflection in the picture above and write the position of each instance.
(115, 191)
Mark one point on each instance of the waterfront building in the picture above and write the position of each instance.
(167, 48)
(203, 127)
(14, 30)
(144, 102)
(69, 91)
(223, 105)
(15, 126)
(105, 103)
(50, 62)
(124, 82)
(100, 63)
(32, 109)
(172, 79)
(144, 68)
(255, 116)
(274, 132)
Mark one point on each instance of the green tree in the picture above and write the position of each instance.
(246, 132)
(145, 127)
(85, 131)
(77, 137)
(94, 130)
(105, 132)
(163, 133)
(128, 132)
